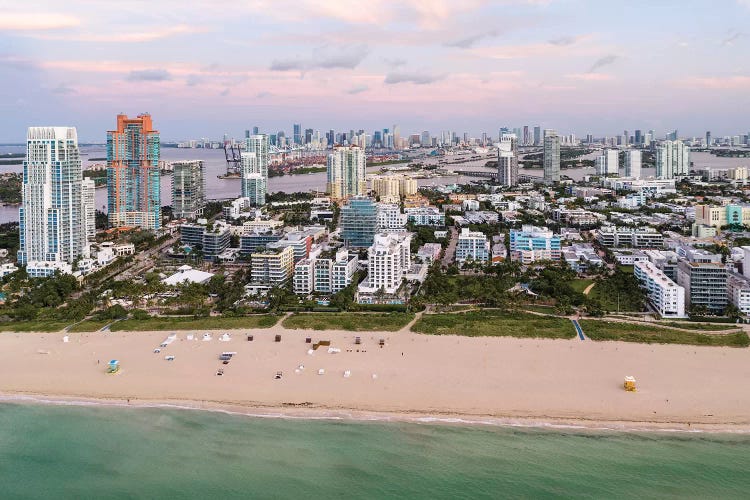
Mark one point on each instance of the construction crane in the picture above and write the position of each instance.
(233, 156)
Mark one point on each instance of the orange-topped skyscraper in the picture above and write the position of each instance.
(133, 177)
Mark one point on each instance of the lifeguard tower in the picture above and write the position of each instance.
(629, 383)
(113, 367)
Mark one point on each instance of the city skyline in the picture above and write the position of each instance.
(425, 65)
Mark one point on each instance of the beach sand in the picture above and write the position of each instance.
(418, 377)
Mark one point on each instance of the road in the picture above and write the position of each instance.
(450, 251)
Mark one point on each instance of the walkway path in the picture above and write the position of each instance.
(588, 288)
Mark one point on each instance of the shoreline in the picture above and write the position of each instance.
(304, 412)
(412, 378)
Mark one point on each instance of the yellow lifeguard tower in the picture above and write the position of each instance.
(629, 384)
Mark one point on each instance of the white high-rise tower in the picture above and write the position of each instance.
(254, 169)
(633, 163)
(346, 172)
(672, 160)
(52, 227)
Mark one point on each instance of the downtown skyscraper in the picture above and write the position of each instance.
(52, 226)
(507, 160)
(133, 177)
(254, 169)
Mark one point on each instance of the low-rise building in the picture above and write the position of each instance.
(664, 295)
(429, 252)
(390, 217)
(472, 245)
(641, 237)
(531, 244)
(425, 216)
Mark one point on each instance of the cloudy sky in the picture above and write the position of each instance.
(466, 65)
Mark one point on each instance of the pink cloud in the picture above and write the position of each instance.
(719, 83)
(591, 77)
(27, 21)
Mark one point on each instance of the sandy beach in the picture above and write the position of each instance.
(413, 377)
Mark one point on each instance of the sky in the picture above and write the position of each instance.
(206, 68)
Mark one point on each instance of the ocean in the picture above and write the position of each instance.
(61, 452)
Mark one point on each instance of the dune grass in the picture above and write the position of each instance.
(355, 322)
(495, 324)
(208, 323)
(648, 334)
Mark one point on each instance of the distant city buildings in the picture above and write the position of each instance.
(346, 169)
(188, 189)
(551, 156)
(133, 176)
(390, 188)
(52, 215)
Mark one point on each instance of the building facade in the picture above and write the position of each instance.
(88, 199)
(346, 171)
(664, 295)
(133, 176)
(672, 160)
(52, 227)
(633, 163)
(531, 243)
(608, 163)
(359, 222)
(551, 156)
(188, 189)
(254, 169)
(388, 262)
(704, 278)
(472, 245)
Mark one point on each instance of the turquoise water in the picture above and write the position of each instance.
(56, 452)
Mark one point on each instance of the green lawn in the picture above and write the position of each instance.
(210, 323)
(89, 325)
(608, 330)
(355, 322)
(495, 324)
(610, 303)
(34, 326)
(687, 325)
(580, 284)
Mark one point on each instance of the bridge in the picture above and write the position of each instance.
(493, 175)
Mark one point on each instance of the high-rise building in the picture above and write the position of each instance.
(425, 139)
(133, 177)
(346, 172)
(255, 131)
(708, 139)
(507, 160)
(672, 160)
(551, 156)
(526, 137)
(397, 137)
(52, 228)
(254, 169)
(308, 135)
(704, 278)
(625, 138)
(188, 189)
(537, 136)
(633, 163)
(388, 261)
(608, 163)
(359, 222)
(638, 137)
(88, 200)
(297, 133)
